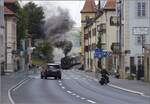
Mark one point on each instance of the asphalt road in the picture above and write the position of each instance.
(74, 88)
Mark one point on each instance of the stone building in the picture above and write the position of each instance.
(147, 62)
(10, 33)
(88, 12)
(2, 38)
(135, 32)
(102, 25)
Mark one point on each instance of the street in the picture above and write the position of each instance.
(74, 88)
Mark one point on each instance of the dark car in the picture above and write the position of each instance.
(52, 70)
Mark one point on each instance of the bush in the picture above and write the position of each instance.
(131, 77)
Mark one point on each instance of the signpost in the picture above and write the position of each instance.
(100, 53)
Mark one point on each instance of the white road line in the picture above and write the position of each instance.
(124, 89)
(59, 81)
(60, 84)
(63, 87)
(145, 95)
(77, 96)
(93, 102)
(82, 98)
(13, 87)
(73, 94)
(10, 98)
(20, 85)
(69, 92)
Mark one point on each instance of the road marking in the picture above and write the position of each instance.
(69, 92)
(13, 87)
(93, 102)
(73, 94)
(145, 95)
(20, 85)
(77, 96)
(63, 87)
(60, 84)
(10, 98)
(82, 98)
(124, 89)
(59, 81)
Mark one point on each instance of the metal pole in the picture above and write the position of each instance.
(120, 30)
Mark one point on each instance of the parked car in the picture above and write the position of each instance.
(52, 70)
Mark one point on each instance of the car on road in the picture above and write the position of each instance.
(51, 70)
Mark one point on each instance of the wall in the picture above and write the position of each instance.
(2, 38)
(11, 43)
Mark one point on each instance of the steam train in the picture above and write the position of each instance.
(68, 61)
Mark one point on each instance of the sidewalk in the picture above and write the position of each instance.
(131, 85)
(7, 81)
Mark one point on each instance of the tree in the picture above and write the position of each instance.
(22, 24)
(35, 20)
(45, 51)
(65, 45)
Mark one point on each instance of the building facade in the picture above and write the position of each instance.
(2, 38)
(135, 33)
(147, 62)
(102, 27)
(10, 33)
(88, 12)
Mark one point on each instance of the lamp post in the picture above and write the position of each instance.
(119, 16)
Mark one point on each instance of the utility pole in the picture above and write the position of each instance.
(119, 16)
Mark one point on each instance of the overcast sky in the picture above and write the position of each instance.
(74, 8)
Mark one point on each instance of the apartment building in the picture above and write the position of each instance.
(135, 33)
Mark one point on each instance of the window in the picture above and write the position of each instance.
(141, 39)
(141, 9)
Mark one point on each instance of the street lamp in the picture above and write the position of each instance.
(119, 16)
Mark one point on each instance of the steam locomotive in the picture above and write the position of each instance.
(68, 61)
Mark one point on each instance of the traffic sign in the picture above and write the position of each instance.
(99, 53)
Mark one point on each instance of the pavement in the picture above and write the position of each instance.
(76, 87)
(9, 80)
(133, 86)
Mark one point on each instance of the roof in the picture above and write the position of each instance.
(7, 11)
(10, 1)
(89, 7)
(110, 4)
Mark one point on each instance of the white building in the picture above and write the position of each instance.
(2, 37)
(10, 33)
(135, 33)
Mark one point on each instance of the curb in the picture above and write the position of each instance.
(127, 90)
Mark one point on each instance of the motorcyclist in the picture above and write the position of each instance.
(105, 74)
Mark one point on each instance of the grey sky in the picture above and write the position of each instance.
(74, 8)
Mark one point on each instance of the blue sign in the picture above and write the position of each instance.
(99, 53)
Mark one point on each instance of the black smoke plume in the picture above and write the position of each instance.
(58, 24)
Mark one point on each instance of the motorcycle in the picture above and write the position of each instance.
(104, 80)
